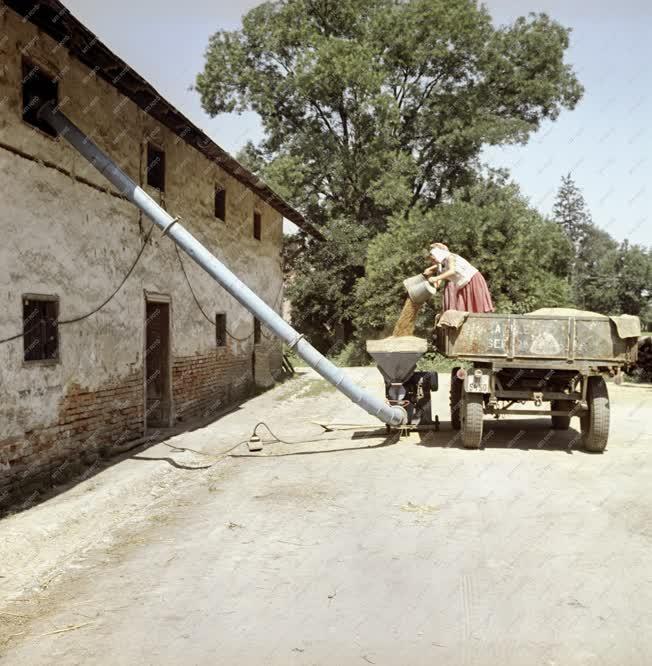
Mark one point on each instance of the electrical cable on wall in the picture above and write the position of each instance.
(201, 309)
(198, 304)
(126, 277)
(141, 141)
(104, 303)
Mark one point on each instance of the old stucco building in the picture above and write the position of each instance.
(106, 332)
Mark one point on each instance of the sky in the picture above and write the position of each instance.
(605, 142)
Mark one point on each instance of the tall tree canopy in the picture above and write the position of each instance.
(570, 210)
(372, 107)
(372, 104)
(596, 273)
(634, 280)
(572, 214)
(605, 276)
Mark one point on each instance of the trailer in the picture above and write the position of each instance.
(554, 358)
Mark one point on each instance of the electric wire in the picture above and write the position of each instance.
(126, 277)
(104, 303)
(269, 430)
(276, 438)
(201, 309)
(199, 305)
(216, 457)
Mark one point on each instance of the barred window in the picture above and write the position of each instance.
(258, 231)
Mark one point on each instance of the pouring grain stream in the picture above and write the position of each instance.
(406, 321)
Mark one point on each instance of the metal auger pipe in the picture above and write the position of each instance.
(391, 415)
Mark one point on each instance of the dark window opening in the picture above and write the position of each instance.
(220, 204)
(155, 167)
(40, 328)
(38, 88)
(257, 226)
(220, 329)
(257, 331)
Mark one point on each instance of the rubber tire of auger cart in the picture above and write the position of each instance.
(456, 399)
(561, 422)
(421, 414)
(434, 381)
(595, 423)
(472, 420)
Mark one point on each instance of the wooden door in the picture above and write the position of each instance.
(157, 365)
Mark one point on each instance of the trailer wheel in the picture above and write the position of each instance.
(595, 423)
(456, 399)
(472, 418)
(561, 422)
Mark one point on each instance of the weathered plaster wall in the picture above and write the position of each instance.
(63, 237)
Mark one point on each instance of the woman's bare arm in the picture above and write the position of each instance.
(450, 271)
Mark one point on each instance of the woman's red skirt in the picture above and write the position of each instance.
(474, 296)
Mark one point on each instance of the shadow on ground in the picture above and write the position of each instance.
(524, 434)
(387, 440)
(42, 488)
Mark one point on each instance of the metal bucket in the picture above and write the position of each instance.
(419, 289)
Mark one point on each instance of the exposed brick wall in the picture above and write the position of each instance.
(93, 423)
(90, 423)
(203, 384)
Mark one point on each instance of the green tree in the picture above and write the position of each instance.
(570, 211)
(597, 272)
(319, 288)
(374, 107)
(646, 313)
(605, 277)
(634, 285)
(523, 256)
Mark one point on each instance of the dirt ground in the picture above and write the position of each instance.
(349, 547)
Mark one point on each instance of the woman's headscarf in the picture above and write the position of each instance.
(439, 252)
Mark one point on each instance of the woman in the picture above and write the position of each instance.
(466, 289)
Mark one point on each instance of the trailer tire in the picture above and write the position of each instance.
(561, 422)
(456, 399)
(472, 420)
(595, 422)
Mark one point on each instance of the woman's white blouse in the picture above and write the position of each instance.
(464, 271)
